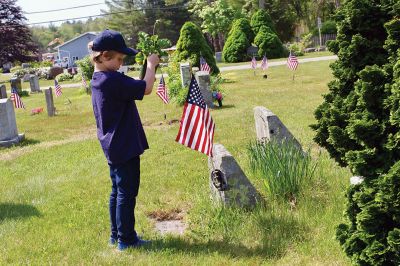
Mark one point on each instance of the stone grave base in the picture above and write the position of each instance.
(10, 142)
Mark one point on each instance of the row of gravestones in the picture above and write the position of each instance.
(202, 78)
(33, 81)
(8, 126)
(228, 183)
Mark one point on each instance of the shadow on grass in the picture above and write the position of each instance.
(25, 142)
(276, 236)
(17, 211)
(227, 106)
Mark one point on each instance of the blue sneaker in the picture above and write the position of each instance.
(138, 243)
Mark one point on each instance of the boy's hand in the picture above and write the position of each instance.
(153, 60)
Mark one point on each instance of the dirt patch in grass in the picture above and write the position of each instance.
(161, 215)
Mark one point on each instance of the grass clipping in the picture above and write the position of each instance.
(284, 168)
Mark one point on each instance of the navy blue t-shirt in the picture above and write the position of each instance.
(119, 128)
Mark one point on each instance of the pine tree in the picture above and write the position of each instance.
(15, 38)
(359, 124)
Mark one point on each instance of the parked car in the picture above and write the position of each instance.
(61, 63)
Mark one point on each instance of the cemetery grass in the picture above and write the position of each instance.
(306, 55)
(55, 186)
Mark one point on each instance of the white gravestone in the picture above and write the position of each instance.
(203, 79)
(269, 126)
(34, 83)
(8, 125)
(186, 74)
(228, 183)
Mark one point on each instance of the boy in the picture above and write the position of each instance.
(119, 129)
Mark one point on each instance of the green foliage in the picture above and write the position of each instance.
(176, 91)
(20, 72)
(358, 123)
(328, 27)
(235, 48)
(296, 49)
(191, 45)
(86, 67)
(243, 25)
(64, 77)
(148, 45)
(269, 44)
(259, 19)
(284, 167)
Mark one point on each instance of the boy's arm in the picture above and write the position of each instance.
(150, 77)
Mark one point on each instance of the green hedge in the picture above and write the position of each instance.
(269, 44)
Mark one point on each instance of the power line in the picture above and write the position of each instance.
(100, 15)
(61, 9)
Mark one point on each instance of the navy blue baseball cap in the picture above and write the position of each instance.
(108, 40)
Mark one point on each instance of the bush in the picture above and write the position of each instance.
(284, 167)
(20, 72)
(86, 67)
(235, 48)
(296, 49)
(64, 77)
(176, 91)
(259, 19)
(269, 44)
(243, 25)
(191, 45)
(359, 124)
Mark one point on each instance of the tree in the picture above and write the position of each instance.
(261, 18)
(240, 37)
(268, 43)
(216, 20)
(191, 45)
(15, 38)
(359, 124)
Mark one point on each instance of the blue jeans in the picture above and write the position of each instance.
(125, 180)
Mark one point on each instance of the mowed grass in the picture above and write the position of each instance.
(55, 187)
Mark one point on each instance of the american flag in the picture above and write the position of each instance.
(204, 66)
(162, 90)
(58, 88)
(197, 127)
(264, 63)
(253, 63)
(84, 83)
(292, 62)
(16, 99)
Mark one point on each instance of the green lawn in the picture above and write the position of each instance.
(307, 55)
(55, 186)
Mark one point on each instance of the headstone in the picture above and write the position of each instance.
(25, 65)
(228, 183)
(252, 50)
(51, 110)
(8, 126)
(34, 82)
(185, 74)
(3, 92)
(269, 126)
(26, 77)
(16, 83)
(218, 56)
(203, 79)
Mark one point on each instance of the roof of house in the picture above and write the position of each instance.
(90, 32)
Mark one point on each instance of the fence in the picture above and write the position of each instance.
(314, 42)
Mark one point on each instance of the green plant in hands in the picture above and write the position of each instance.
(147, 45)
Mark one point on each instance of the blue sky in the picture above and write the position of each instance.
(41, 5)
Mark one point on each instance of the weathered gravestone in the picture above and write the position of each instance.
(34, 82)
(218, 56)
(26, 77)
(186, 74)
(229, 185)
(16, 83)
(8, 126)
(269, 127)
(203, 79)
(3, 92)
(51, 110)
(25, 65)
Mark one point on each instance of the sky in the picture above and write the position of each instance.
(43, 5)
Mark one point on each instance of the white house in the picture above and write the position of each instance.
(76, 48)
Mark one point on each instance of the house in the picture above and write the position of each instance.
(75, 49)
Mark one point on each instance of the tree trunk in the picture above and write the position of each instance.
(216, 43)
(261, 4)
(221, 41)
